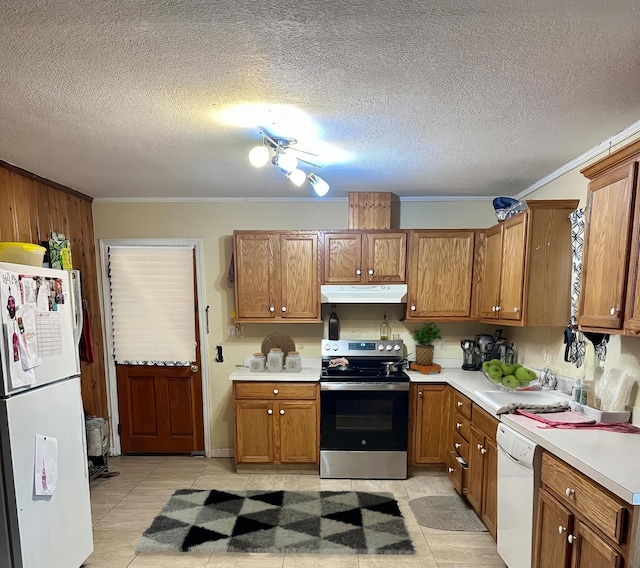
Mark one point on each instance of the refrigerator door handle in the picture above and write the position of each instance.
(77, 306)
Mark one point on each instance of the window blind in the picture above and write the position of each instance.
(152, 304)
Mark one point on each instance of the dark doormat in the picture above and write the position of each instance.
(447, 513)
(321, 522)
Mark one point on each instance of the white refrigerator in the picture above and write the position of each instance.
(45, 512)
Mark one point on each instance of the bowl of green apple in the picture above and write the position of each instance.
(508, 376)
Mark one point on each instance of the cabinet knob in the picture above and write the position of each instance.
(358, 272)
(413, 308)
(458, 424)
(282, 412)
(450, 469)
(459, 403)
(457, 445)
(370, 271)
(614, 311)
(493, 308)
(516, 309)
(571, 538)
(272, 309)
(483, 451)
(284, 309)
(275, 391)
(561, 529)
(269, 411)
(498, 308)
(420, 393)
(569, 492)
(479, 446)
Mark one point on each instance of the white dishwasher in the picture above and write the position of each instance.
(518, 480)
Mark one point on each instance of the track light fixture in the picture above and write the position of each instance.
(288, 163)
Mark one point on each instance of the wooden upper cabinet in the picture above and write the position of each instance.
(359, 257)
(527, 271)
(440, 274)
(277, 276)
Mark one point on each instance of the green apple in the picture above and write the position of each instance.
(485, 366)
(494, 372)
(522, 374)
(510, 382)
(507, 369)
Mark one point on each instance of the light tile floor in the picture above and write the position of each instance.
(124, 506)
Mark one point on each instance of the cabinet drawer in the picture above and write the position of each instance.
(584, 496)
(485, 422)
(461, 404)
(456, 472)
(275, 390)
(461, 425)
(461, 446)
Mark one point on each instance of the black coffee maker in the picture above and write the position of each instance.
(470, 355)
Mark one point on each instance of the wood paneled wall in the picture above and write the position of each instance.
(31, 208)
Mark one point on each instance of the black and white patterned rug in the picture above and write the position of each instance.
(324, 522)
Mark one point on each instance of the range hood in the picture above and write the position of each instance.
(364, 294)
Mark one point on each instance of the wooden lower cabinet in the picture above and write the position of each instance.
(272, 426)
(580, 524)
(428, 434)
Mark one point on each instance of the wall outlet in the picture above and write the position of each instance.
(443, 343)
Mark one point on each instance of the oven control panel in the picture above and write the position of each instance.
(361, 348)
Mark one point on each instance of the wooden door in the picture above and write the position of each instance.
(343, 258)
(254, 431)
(255, 279)
(299, 276)
(591, 551)
(610, 200)
(514, 235)
(431, 423)
(298, 436)
(440, 274)
(490, 487)
(385, 256)
(491, 277)
(554, 524)
(160, 409)
(476, 469)
(632, 309)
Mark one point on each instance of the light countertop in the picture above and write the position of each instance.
(611, 459)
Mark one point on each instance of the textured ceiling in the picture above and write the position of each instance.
(442, 98)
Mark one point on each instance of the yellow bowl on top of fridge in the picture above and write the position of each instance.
(21, 253)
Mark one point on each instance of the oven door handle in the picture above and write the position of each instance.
(363, 386)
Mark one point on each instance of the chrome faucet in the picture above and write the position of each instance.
(548, 379)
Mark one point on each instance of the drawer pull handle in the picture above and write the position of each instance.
(275, 391)
(458, 424)
(570, 492)
(282, 412)
(457, 445)
(459, 403)
(483, 451)
(269, 411)
(561, 529)
(571, 538)
(450, 469)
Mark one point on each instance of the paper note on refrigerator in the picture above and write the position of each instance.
(46, 465)
(49, 332)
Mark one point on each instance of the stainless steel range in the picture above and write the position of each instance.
(364, 410)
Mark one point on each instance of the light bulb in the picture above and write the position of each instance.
(259, 156)
(297, 177)
(287, 162)
(320, 186)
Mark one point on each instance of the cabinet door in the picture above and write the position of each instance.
(490, 487)
(440, 273)
(385, 257)
(476, 469)
(491, 277)
(343, 258)
(514, 234)
(254, 431)
(606, 248)
(555, 523)
(298, 436)
(590, 551)
(431, 423)
(255, 275)
(299, 275)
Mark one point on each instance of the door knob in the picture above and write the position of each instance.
(195, 368)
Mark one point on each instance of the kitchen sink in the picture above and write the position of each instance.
(498, 398)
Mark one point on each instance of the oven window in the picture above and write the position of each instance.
(364, 415)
